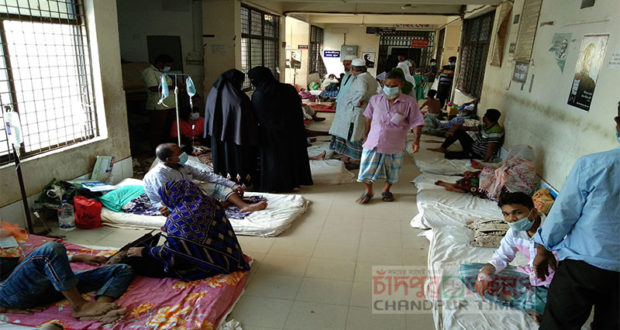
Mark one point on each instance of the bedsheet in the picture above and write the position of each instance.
(175, 304)
(449, 248)
(438, 207)
(434, 162)
(280, 213)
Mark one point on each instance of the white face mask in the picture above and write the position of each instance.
(391, 92)
(165, 69)
(194, 116)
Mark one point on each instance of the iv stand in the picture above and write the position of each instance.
(176, 102)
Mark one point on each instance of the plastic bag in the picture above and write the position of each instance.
(87, 213)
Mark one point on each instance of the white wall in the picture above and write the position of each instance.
(541, 118)
(297, 33)
(77, 160)
(138, 19)
(335, 35)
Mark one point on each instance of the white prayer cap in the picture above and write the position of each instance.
(348, 58)
(358, 62)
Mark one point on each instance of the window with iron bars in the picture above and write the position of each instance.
(475, 43)
(259, 41)
(45, 75)
(316, 47)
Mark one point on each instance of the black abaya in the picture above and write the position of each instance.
(283, 161)
(233, 128)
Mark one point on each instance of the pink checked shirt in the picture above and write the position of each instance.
(384, 135)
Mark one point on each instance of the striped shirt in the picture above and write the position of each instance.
(483, 136)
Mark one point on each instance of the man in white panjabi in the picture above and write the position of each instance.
(349, 124)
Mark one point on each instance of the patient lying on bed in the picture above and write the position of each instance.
(516, 173)
(199, 240)
(516, 287)
(173, 168)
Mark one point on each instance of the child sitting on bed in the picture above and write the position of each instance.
(506, 285)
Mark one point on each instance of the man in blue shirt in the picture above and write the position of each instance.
(583, 226)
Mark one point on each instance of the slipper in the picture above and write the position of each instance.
(319, 118)
(364, 199)
(387, 196)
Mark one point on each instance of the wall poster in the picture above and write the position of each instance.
(589, 63)
(559, 47)
(520, 72)
(370, 59)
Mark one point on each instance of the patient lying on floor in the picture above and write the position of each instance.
(173, 167)
(516, 173)
(510, 286)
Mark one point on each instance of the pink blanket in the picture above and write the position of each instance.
(151, 303)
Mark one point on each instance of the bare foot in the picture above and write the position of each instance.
(92, 309)
(319, 157)
(109, 317)
(440, 149)
(535, 316)
(255, 207)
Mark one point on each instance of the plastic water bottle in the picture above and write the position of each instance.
(66, 220)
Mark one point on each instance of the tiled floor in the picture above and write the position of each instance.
(317, 274)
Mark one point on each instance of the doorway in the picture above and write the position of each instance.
(416, 45)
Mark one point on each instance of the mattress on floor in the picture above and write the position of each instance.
(435, 162)
(438, 207)
(330, 171)
(449, 248)
(280, 213)
(202, 304)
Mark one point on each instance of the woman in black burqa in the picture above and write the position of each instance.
(233, 128)
(283, 163)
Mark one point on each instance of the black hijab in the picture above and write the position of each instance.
(228, 111)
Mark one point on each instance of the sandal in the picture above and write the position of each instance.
(387, 196)
(364, 199)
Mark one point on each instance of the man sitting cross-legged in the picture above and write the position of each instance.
(173, 168)
(483, 144)
(44, 276)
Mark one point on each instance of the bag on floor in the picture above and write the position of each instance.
(87, 213)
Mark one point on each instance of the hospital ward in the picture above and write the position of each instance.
(310, 164)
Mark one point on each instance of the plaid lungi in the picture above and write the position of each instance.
(376, 166)
(345, 147)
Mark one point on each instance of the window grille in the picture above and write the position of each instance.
(45, 74)
(259, 41)
(316, 47)
(474, 50)
(404, 39)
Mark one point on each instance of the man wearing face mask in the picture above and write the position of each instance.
(510, 286)
(173, 167)
(389, 116)
(161, 113)
(583, 226)
(446, 75)
(348, 127)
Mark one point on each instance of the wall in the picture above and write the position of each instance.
(138, 19)
(77, 160)
(541, 118)
(335, 35)
(452, 40)
(297, 33)
(222, 20)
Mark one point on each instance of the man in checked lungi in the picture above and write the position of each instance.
(389, 116)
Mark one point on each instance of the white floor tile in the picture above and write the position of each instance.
(331, 269)
(262, 312)
(306, 315)
(360, 318)
(325, 291)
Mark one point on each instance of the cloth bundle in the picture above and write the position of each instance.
(487, 233)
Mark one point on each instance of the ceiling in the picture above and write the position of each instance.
(386, 7)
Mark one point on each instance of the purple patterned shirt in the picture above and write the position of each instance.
(390, 123)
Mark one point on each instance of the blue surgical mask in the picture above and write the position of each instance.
(521, 225)
(391, 92)
(618, 136)
(165, 69)
(194, 116)
(183, 158)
